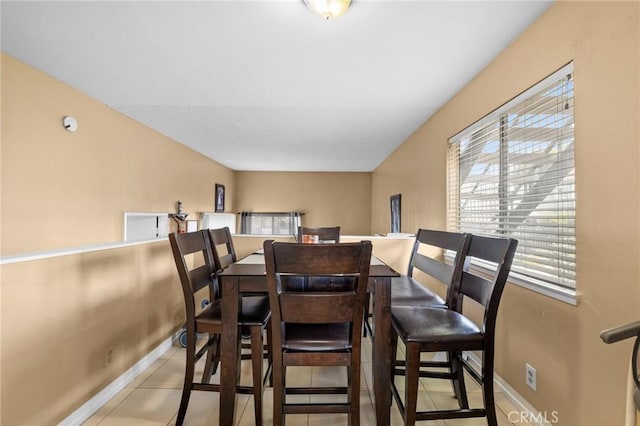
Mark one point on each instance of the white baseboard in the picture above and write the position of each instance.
(94, 404)
(533, 416)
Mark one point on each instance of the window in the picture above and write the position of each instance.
(513, 174)
(285, 223)
(145, 226)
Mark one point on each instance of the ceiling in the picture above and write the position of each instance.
(269, 85)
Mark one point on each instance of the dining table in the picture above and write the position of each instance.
(248, 275)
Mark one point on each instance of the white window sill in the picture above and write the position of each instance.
(562, 294)
(557, 292)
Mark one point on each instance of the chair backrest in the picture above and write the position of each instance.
(195, 272)
(485, 287)
(434, 264)
(321, 235)
(350, 260)
(222, 237)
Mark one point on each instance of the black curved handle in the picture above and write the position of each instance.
(621, 332)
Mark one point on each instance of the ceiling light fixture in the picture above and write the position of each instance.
(328, 9)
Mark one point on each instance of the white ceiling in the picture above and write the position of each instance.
(268, 85)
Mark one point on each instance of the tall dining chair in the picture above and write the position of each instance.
(224, 254)
(437, 329)
(316, 328)
(194, 260)
(428, 258)
(319, 235)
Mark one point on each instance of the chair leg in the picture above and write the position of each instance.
(393, 357)
(279, 381)
(459, 386)
(256, 368)
(487, 389)
(188, 378)
(270, 353)
(353, 374)
(216, 353)
(211, 362)
(411, 375)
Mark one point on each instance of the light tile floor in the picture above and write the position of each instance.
(153, 398)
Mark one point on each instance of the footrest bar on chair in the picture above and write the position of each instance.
(450, 414)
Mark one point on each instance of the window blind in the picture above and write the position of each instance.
(265, 223)
(513, 174)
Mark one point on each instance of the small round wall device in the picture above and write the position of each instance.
(70, 123)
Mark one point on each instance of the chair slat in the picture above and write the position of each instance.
(200, 277)
(438, 270)
(447, 240)
(192, 243)
(475, 287)
(326, 234)
(317, 308)
(488, 249)
(326, 262)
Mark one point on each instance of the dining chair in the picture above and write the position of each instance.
(319, 235)
(449, 330)
(224, 254)
(316, 328)
(428, 258)
(193, 256)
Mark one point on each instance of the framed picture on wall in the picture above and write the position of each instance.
(395, 213)
(219, 198)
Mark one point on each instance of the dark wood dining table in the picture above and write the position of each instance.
(248, 275)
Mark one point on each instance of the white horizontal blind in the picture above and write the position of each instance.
(279, 223)
(513, 174)
(218, 220)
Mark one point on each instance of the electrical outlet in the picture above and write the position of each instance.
(108, 356)
(530, 376)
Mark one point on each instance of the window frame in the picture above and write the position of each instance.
(556, 291)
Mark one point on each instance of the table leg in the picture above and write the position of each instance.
(381, 350)
(229, 355)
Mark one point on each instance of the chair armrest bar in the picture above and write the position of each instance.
(621, 332)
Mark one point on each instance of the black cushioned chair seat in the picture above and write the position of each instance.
(255, 311)
(434, 325)
(317, 337)
(405, 291)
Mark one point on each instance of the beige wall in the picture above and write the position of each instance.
(62, 189)
(327, 199)
(60, 314)
(578, 376)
